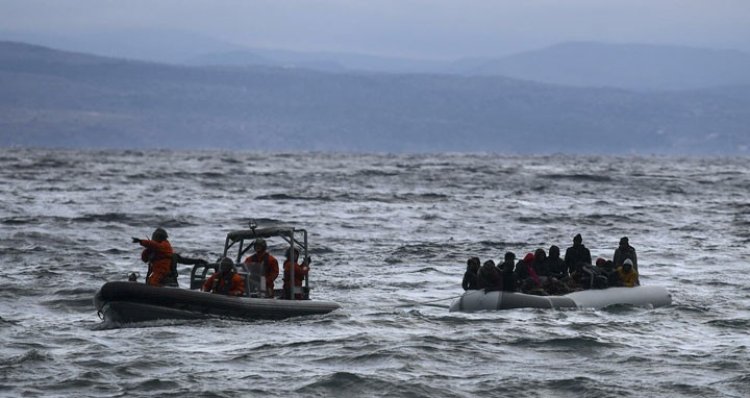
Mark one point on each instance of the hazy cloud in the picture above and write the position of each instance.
(416, 28)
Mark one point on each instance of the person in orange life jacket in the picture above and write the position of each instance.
(226, 281)
(158, 254)
(300, 271)
(270, 264)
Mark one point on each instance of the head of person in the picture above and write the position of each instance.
(289, 252)
(624, 242)
(226, 265)
(159, 235)
(554, 252)
(627, 265)
(528, 258)
(489, 263)
(510, 257)
(472, 265)
(539, 255)
(260, 245)
(577, 240)
(600, 262)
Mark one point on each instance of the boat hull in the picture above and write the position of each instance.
(127, 302)
(479, 300)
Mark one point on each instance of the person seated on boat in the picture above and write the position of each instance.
(625, 251)
(225, 281)
(540, 265)
(268, 264)
(627, 274)
(470, 276)
(526, 276)
(488, 278)
(158, 254)
(577, 255)
(300, 271)
(507, 271)
(555, 265)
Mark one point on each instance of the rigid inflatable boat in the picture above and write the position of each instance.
(126, 302)
(644, 296)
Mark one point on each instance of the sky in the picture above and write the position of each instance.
(424, 29)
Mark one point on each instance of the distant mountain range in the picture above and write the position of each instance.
(642, 67)
(61, 99)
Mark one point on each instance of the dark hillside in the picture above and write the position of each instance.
(59, 99)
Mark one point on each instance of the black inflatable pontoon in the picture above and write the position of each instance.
(126, 302)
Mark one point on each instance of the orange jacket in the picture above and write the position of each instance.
(235, 286)
(272, 266)
(159, 256)
(300, 271)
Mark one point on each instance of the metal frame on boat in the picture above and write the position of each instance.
(243, 241)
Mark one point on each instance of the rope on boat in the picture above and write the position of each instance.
(428, 302)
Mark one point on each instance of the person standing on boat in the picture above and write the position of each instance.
(625, 251)
(300, 271)
(270, 266)
(470, 276)
(577, 255)
(158, 254)
(226, 281)
(507, 272)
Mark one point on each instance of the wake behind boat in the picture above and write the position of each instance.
(127, 302)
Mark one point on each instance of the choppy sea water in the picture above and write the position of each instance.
(391, 235)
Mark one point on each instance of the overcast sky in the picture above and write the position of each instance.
(412, 28)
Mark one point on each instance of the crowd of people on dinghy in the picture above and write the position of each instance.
(546, 273)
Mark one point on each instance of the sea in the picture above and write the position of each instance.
(390, 236)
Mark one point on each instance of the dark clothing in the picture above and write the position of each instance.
(489, 278)
(171, 278)
(622, 255)
(470, 281)
(541, 267)
(556, 267)
(576, 256)
(509, 280)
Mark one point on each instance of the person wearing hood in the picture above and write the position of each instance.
(470, 281)
(488, 277)
(540, 264)
(526, 274)
(625, 251)
(577, 255)
(627, 274)
(157, 253)
(507, 271)
(554, 264)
